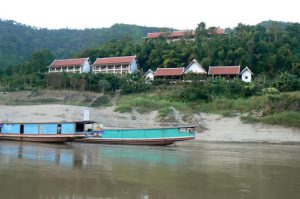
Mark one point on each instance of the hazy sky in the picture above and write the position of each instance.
(184, 14)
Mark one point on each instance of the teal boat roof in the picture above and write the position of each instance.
(57, 122)
(167, 127)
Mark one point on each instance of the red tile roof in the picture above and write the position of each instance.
(178, 33)
(174, 34)
(154, 35)
(169, 72)
(114, 60)
(218, 31)
(224, 70)
(68, 62)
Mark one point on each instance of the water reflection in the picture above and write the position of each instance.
(197, 170)
(83, 155)
(61, 155)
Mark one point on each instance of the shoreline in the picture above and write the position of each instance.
(216, 128)
(197, 141)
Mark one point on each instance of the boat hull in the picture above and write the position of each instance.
(40, 138)
(149, 142)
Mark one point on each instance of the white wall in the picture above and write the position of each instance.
(195, 68)
(150, 76)
(133, 66)
(86, 67)
(246, 76)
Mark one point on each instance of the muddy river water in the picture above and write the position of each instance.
(193, 170)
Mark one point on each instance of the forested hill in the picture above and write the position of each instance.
(19, 41)
(275, 24)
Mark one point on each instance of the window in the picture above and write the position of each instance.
(79, 127)
(59, 129)
(246, 77)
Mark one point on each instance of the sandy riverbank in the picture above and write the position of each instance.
(217, 128)
(220, 128)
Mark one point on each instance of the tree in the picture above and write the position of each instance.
(38, 62)
(103, 85)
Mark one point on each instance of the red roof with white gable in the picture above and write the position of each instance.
(169, 72)
(224, 70)
(114, 60)
(68, 62)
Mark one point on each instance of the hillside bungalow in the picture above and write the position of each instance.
(115, 65)
(149, 75)
(196, 68)
(169, 73)
(246, 75)
(173, 36)
(230, 72)
(218, 31)
(79, 65)
(182, 34)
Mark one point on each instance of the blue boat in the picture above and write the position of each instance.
(151, 136)
(43, 132)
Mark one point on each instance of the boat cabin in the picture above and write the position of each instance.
(44, 128)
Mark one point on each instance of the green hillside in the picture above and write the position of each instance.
(19, 41)
(271, 24)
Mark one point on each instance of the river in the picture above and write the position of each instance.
(194, 170)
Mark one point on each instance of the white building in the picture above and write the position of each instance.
(246, 75)
(115, 65)
(149, 75)
(79, 65)
(195, 67)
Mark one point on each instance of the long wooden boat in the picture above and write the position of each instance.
(150, 136)
(50, 132)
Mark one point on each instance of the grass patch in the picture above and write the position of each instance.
(223, 105)
(142, 104)
(124, 109)
(281, 103)
(165, 112)
(228, 113)
(35, 101)
(287, 118)
(249, 119)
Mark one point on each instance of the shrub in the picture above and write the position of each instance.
(195, 92)
(270, 90)
(129, 87)
(288, 82)
(281, 103)
(101, 101)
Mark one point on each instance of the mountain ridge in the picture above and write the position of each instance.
(19, 41)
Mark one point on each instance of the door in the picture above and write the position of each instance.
(22, 129)
(79, 127)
